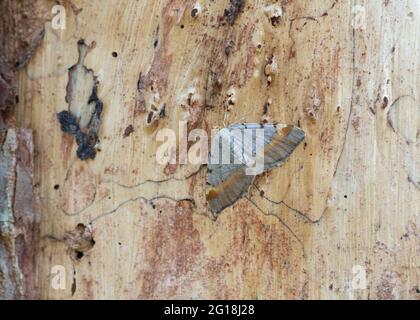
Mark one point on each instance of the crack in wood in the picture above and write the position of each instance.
(348, 119)
(147, 200)
(140, 197)
(282, 202)
(314, 18)
(280, 220)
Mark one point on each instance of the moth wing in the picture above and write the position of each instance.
(227, 182)
(226, 186)
(281, 145)
(250, 142)
(217, 173)
(279, 142)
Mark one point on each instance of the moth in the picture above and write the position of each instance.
(234, 156)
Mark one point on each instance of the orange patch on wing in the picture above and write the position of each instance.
(212, 194)
(224, 186)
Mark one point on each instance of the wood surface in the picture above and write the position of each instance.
(124, 226)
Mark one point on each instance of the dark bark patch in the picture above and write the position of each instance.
(232, 13)
(80, 240)
(129, 130)
(82, 119)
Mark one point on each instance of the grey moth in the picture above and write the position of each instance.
(238, 150)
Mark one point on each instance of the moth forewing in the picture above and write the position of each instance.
(254, 141)
(281, 146)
